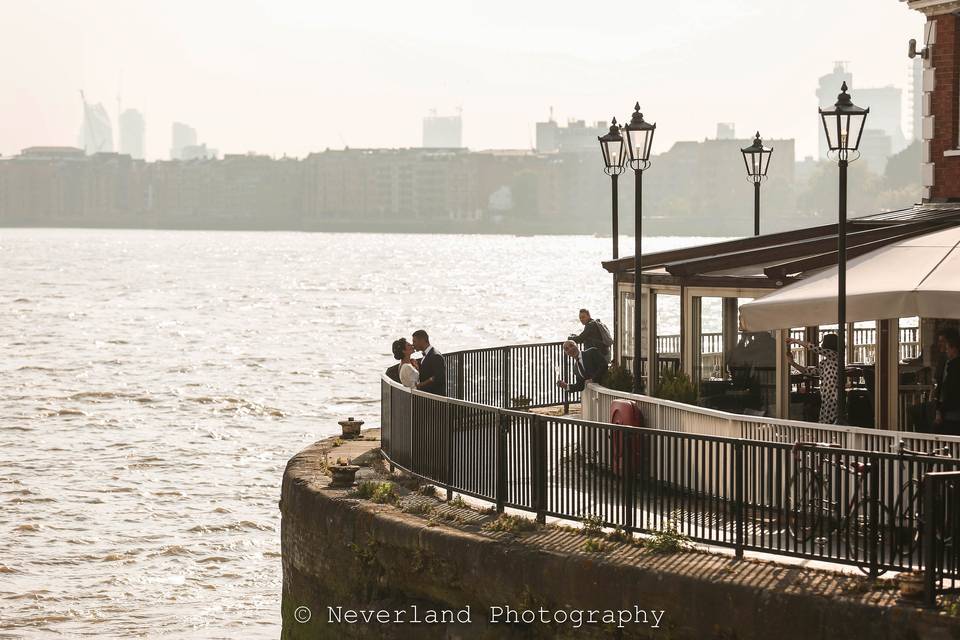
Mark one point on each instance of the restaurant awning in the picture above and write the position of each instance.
(917, 276)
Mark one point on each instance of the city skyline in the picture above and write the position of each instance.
(295, 79)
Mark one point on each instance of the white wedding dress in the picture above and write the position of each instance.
(409, 376)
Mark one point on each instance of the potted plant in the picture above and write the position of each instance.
(911, 585)
(676, 386)
(520, 403)
(350, 428)
(343, 474)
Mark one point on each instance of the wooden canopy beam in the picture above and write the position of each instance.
(784, 269)
(819, 245)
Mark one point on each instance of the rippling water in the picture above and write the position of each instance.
(153, 385)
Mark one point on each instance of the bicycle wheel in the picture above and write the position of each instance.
(909, 520)
(804, 504)
(860, 538)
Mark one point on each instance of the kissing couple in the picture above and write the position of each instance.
(428, 373)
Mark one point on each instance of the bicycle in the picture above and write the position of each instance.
(815, 513)
(909, 506)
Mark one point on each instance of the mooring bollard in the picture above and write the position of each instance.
(350, 428)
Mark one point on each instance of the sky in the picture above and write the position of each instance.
(292, 77)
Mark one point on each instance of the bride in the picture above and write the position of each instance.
(409, 368)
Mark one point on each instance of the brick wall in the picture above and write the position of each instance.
(943, 107)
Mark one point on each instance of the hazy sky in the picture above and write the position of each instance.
(297, 76)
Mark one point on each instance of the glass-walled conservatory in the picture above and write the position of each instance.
(691, 325)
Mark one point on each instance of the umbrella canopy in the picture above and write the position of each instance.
(919, 276)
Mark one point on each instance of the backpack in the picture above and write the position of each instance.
(605, 334)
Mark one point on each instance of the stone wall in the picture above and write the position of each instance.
(350, 553)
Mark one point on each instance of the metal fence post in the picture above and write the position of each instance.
(874, 511)
(629, 480)
(738, 496)
(502, 432)
(506, 378)
(448, 436)
(460, 377)
(928, 542)
(539, 467)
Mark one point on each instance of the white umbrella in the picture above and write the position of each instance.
(918, 276)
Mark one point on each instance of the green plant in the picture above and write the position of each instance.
(417, 508)
(575, 454)
(459, 502)
(619, 535)
(592, 526)
(510, 524)
(618, 378)
(427, 490)
(676, 386)
(668, 539)
(594, 545)
(338, 442)
(520, 402)
(379, 492)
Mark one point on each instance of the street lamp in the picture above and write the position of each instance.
(639, 141)
(756, 157)
(614, 153)
(611, 145)
(843, 126)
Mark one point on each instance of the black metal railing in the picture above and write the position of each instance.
(941, 560)
(511, 376)
(806, 500)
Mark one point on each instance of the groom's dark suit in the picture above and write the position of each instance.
(592, 367)
(433, 366)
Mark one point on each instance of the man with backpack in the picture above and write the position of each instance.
(595, 335)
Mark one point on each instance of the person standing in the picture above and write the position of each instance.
(397, 348)
(433, 369)
(595, 335)
(828, 369)
(591, 365)
(947, 420)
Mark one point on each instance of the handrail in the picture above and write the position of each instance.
(729, 489)
(747, 426)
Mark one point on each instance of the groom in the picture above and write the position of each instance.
(433, 370)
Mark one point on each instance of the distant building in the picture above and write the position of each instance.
(197, 152)
(875, 147)
(132, 134)
(96, 133)
(57, 186)
(886, 114)
(442, 132)
(726, 131)
(182, 135)
(828, 88)
(703, 185)
(576, 137)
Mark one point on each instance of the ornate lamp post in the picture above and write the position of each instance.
(843, 126)
(756, 157)
(639, 134)
(614, 153)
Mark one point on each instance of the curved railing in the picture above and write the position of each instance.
(727, 488)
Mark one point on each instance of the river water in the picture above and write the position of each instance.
(153, 384)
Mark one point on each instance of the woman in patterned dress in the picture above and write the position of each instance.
(827, 369)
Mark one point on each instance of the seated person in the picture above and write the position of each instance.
(591, 365)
